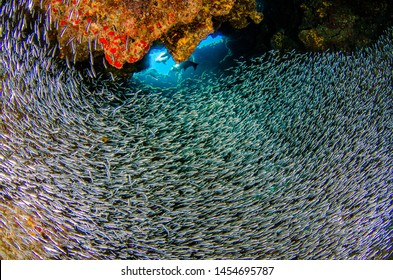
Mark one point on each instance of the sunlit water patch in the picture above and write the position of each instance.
(164, 72)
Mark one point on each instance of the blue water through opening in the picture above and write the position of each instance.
(162, 67)
(164, 71)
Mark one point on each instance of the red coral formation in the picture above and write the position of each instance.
(124, 30)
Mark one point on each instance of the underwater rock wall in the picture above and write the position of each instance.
(342, 25)
(284, 157)
(124, 30)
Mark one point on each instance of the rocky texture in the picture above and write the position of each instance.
(124, 30)
(308, 25)
(342, 25)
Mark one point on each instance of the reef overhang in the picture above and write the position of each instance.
(124, 30)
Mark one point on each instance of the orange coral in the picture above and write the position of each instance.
(124, 30)
(182, 40)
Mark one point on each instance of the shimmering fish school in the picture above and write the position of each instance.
(285, 157)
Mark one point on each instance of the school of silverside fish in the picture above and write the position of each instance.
(286, 156)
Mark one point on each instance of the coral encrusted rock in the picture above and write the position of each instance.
(124, 30)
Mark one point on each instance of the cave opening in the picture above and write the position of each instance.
(164, 72)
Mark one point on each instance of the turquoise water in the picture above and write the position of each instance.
(164, 68)
(208, 54)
